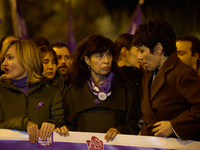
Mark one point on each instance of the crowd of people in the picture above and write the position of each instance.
(141, 84)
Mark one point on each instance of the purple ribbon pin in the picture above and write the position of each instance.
(38, 106)
(96, 101)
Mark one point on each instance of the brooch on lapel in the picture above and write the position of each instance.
(38, 106)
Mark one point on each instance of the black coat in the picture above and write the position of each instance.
(119, 110)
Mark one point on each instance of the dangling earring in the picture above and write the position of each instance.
(89, 68)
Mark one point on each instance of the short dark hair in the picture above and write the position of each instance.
(40, 41)
(46, 49)
(194, 40)
(195, 44)
(123, 40)
(156, 31)
(60, 45)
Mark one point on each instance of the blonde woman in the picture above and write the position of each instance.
(27, 102)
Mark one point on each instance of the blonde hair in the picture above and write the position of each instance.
(29, 58)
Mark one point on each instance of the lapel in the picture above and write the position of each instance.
(150, 92)
(146, 105)
(160, 78)
(157, 84)
(146, 82)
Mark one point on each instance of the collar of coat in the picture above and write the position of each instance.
(160, 78)
(6, 83)
(58, 80)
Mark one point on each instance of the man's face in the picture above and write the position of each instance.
(149, 60)
(64, 61)
(184, 52)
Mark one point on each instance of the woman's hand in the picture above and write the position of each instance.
(62, 131)
(46, 130)
(111, 134)
(33, 131)
(163, 129)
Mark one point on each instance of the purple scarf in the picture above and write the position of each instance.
(105, 89)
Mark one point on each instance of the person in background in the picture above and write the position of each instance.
(41, 41)
(171, 97)
(188, 50)
(27, 102)
(8, 38)
(126, 56)
(50, 62)
(97, 100)
(64, 61)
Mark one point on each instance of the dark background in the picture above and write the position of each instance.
(48, 18)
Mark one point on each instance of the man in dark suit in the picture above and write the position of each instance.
(171, 89)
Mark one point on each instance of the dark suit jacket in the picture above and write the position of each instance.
(174, 96)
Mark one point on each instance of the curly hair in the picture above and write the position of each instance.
(94, 43)
(156, 31)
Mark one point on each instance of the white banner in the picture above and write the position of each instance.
(13, 139)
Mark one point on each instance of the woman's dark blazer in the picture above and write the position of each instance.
(120, 110)
(173, 96)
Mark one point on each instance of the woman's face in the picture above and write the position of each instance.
(149, 60)
(11, 65)
(132, 57)
(100, 63)
(49, 66)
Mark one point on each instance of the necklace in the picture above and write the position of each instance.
(154, 74)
